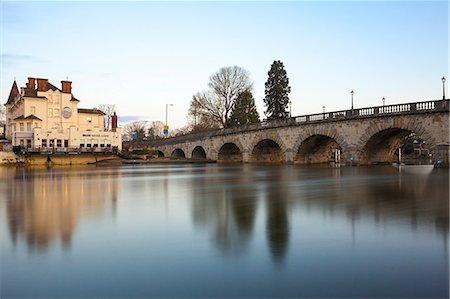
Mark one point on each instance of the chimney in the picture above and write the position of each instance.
(66, 86)
(114, 122)
(42, 84)
(31, 83)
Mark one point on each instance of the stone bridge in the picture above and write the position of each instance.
(359, 136)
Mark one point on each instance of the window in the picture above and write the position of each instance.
(56, 113)
(66, 143)
(56, 99)
(89, 120)
(102, 145)
(28, 143)
(21, 127)
(88, 145)
(14, 127)
(44, 142)
(50, 112)
(32, 110)
(52, 143)
(58, 143)
(28, 127)
(82, 145)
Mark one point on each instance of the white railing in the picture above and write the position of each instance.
(366, 111)
(425, 106)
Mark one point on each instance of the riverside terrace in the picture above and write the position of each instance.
(358, 136)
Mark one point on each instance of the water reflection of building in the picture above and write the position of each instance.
(45, 205)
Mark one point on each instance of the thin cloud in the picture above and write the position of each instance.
(9, 59)
(130, 118)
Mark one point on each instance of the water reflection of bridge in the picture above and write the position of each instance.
(230, 212)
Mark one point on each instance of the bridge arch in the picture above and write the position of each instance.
(317, 148)
(178, 153)
(267, 151)
(160, 154)
(379, 144)
(198, 152)
(230, 152)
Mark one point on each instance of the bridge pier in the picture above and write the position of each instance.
(441, 155)
(352, 157)
(289, 156)
(246, 156)
(213, 155)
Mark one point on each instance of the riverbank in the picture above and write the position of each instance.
(9, 158)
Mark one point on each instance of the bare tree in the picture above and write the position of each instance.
(135, 130)
(205, 112)
(215, 105)
(181, 131)
(109, 110)
(2, 114)
(155, 130)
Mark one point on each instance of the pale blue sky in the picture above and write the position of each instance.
(142, 55)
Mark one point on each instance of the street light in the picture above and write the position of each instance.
(352, 92)
(443, 87)
(384, 100)
(166, 127)
(323, 107)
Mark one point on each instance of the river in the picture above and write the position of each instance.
(221, 231)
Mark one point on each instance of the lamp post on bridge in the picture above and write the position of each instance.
(443, 87)
(290, 108)
(352, 93)
(384, 100)
(166, 127)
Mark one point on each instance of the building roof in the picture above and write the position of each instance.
(29, 117)
(74, 99)
(13, 93)
(52, 87)
(91, 111)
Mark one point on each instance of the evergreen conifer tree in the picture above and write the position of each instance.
(244, 110)
(277, 92)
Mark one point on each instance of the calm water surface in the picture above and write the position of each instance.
(223, 231)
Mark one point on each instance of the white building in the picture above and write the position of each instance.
(42, 117)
